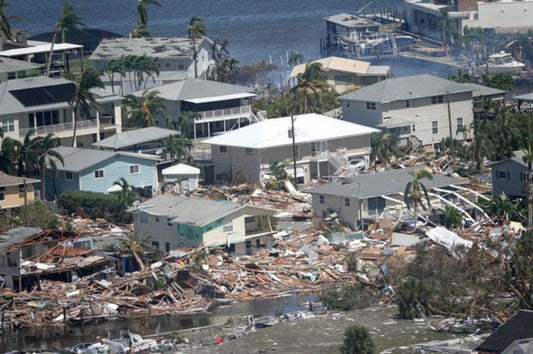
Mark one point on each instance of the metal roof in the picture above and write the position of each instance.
(8, 180)
(16, 235)
(181, 169)
(8, 65)
(405, 88)
(274, 132)
(78, 159)
(479, 91)
(194, 211)
(41, 48)
(156, 47)
(201, 91)
(135, 137)
(350, 21)
(380, 183)
(525, 97)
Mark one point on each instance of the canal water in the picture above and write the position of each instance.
(63, 336)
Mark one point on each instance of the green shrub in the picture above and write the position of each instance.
(35, 214)
(347, 298)
(357, 340)
(412, 298)
(97, 205)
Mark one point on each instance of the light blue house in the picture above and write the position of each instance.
(97, 170)
(511, 176)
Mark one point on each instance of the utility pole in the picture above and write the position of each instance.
(293, 150)
(450, 122)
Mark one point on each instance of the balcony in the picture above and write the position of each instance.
(105, 121)
(223, 114)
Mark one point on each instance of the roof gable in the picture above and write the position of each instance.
(135, 137)
(520, 326)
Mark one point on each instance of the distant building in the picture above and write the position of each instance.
(174, 221)
(143, 140)
(13, 69)
(173, 54)
(324, 147)
(97, 170)
(511, 176)
(42, 104)
(414, 108)
(89, 38)
(346, 74)
(219, 107)
(184, 175)
(16, 191)
(348, 26)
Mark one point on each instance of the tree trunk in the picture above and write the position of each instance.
(43, 186)
(75, 124)
(195, 57)
(54, 37)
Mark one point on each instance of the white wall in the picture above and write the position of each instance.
(505, 14)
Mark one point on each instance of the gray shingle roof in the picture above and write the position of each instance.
(8, 65)
(157, 47)
(8, 180)
(380, 183)
(197, 89)
(185, 210)
(77, 159)
(135, 137)
(525, 97)
(483, 91)
(405, 88)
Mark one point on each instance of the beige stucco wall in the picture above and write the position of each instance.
(13, 199)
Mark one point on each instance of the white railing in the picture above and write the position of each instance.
(228, 112)
(56, 128)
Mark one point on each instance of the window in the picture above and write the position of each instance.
(228, 227)
(460, 123)
(98, 174)
(8, 125)
(169, 222)
(503, 174)
(407, 104)
(134, 169)
(414, 128)
(223, 149)
(157, 218)
(524, 176)
(347, 202)
(437, 99)
(143, 218)
(68, 176)
(371, 106)
(2, 193)
(435, 127)
(155, 244)
(21, 190)
(167, 247)
(322, 199)
(248, 152)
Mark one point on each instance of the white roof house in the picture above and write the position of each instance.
(187, 175)
(319, 141)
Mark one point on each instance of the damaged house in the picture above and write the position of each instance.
(362, 199)
(174, 221)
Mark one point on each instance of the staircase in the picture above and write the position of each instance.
(414, 144)
(342, 165)
(259, 117)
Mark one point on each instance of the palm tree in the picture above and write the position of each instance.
(141, 111)
(137, 246)
(460, 77)
(112, 67)
(501, 207)
(415, 193)
(295, 58)
(8, 154)
(67, 20)
(196, 29)
(449, 30)
(177, 147)
(383, 147)
(5, 26)
(83, 100)
(127, 195)
(142, 12)
(47, 157)
(501, 81)
(309, 87)
(28, 154)
(141, 31)
(452, 217)
(227, 70)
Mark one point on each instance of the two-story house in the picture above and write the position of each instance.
(217, 106)
(323, 147)
(42, 104)
(511, 176)
(97, 170)
(419, 107)
(174, 221)
(11, 68)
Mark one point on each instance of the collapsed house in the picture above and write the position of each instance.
(362, 199)
(29, 254)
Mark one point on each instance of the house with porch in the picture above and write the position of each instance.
(418, 109)
(174, 221)
(13, 69)
(345, 74)
(97, 170)
(172, 53)
(511, 176)
(217, 106)
(362, 199)
(323, 146)
(42, 104)
(343, 29)
(16, 191)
